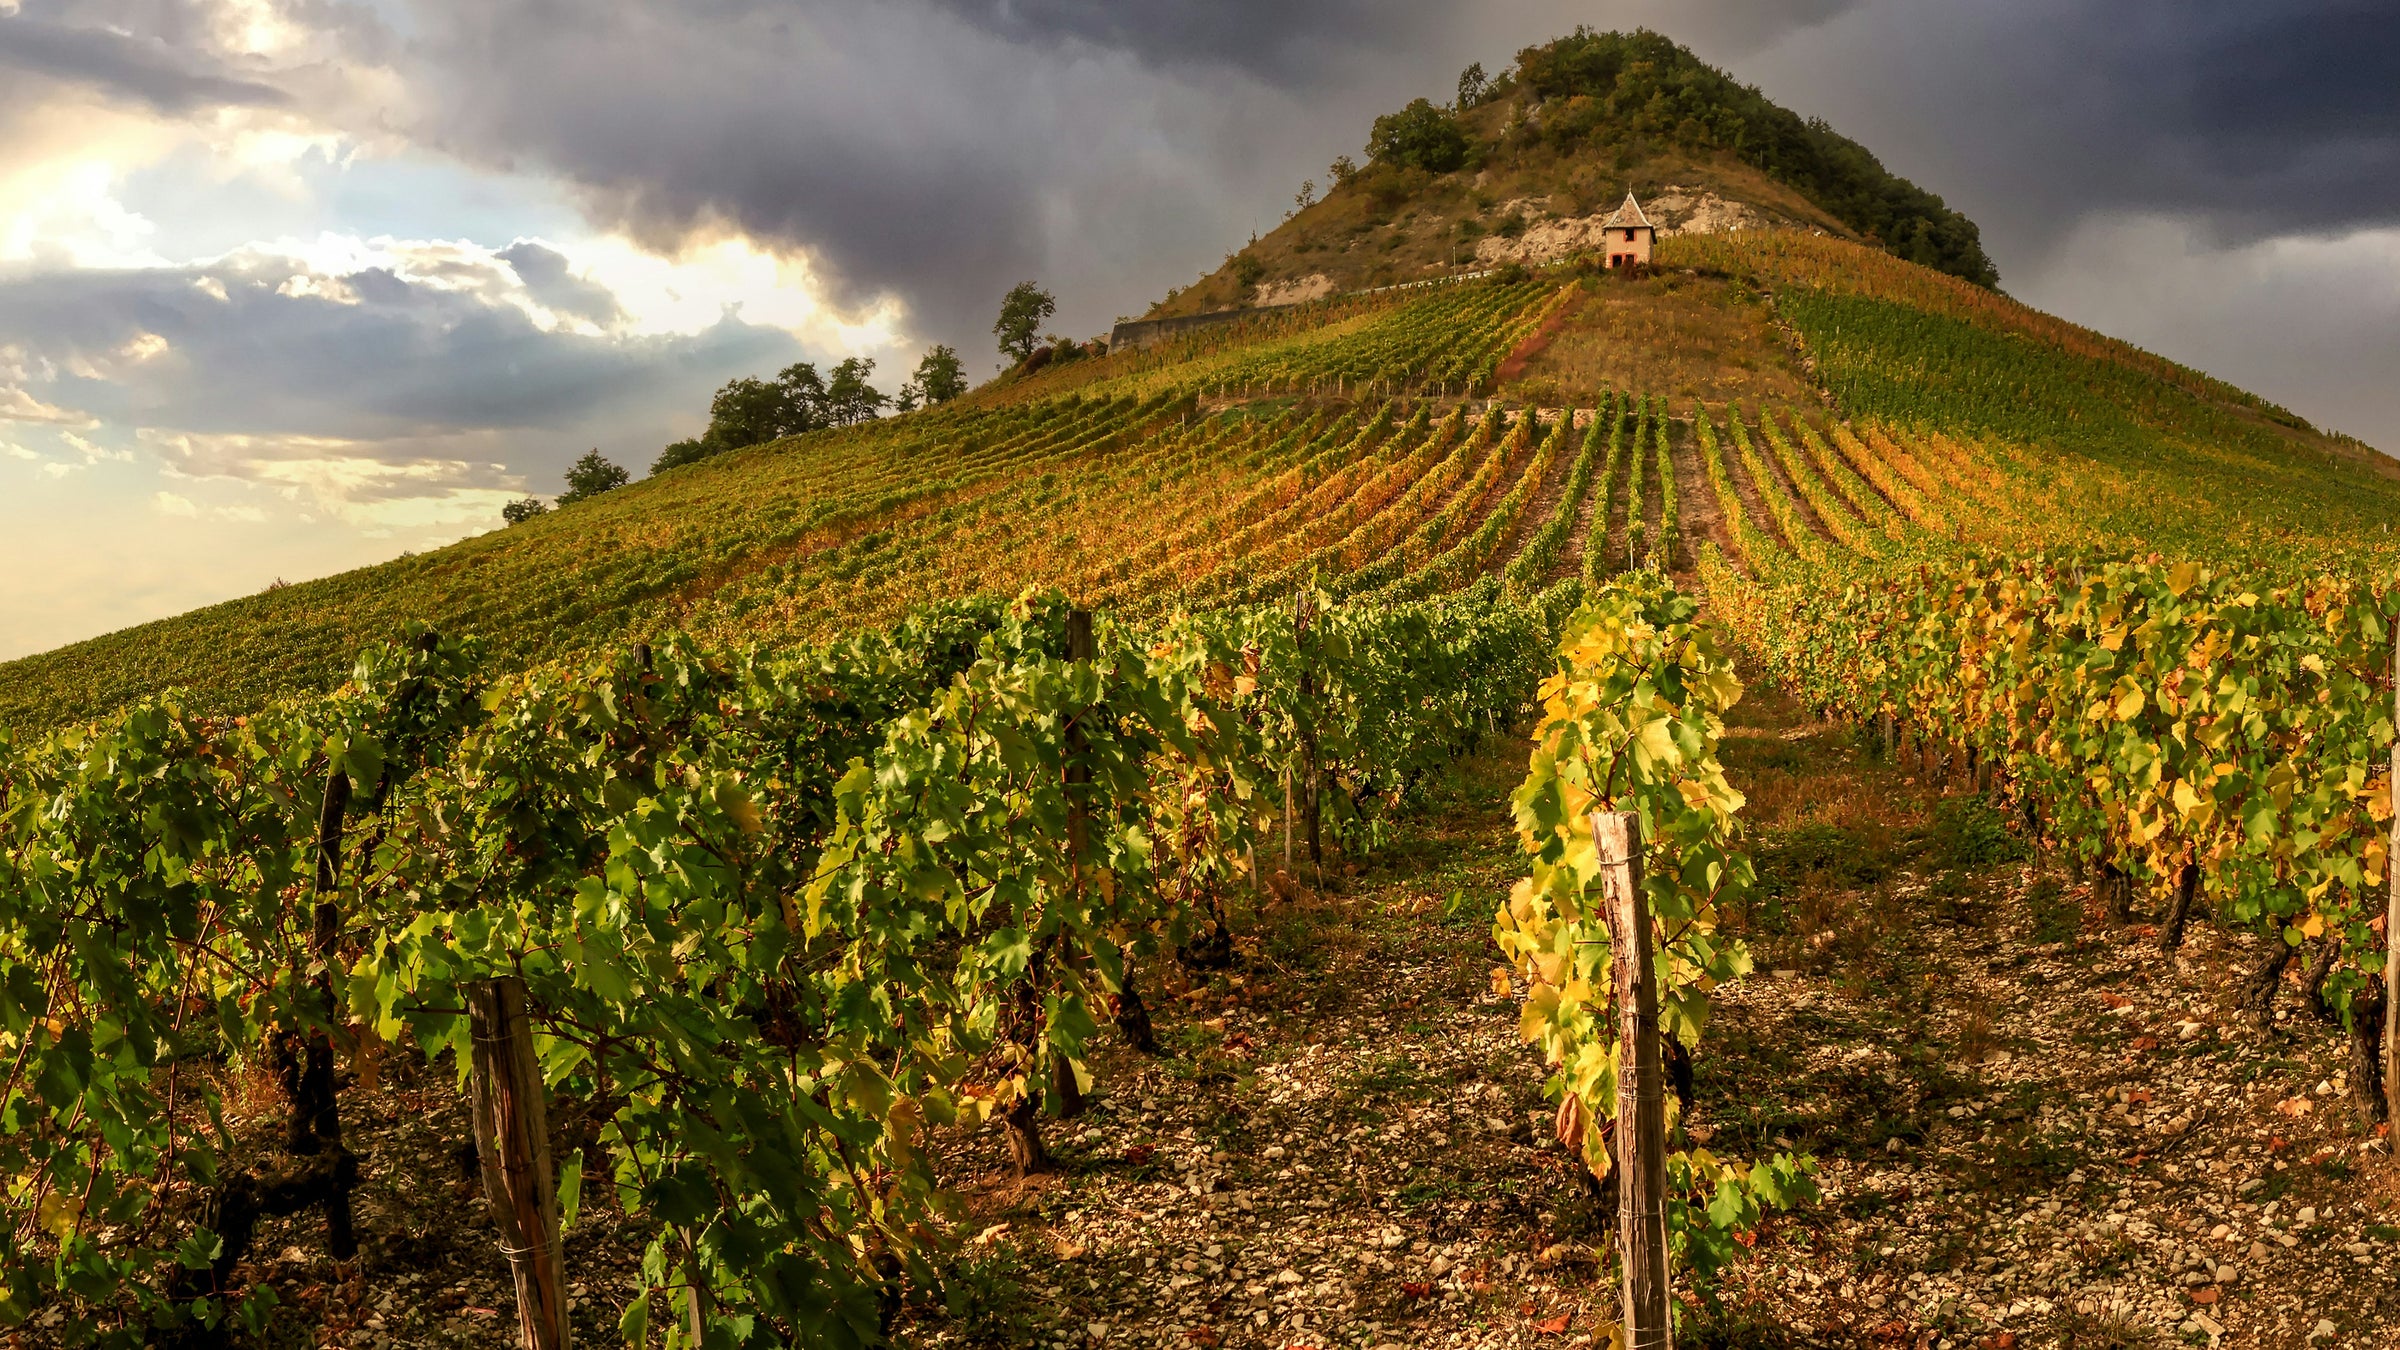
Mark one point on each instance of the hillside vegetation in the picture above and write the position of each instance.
(1334, 438)
(1522, 167)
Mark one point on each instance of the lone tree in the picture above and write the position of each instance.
(1022, 314)
(523, 509)
(941, 376)
(589, 477)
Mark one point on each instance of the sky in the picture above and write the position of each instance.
(294, 286)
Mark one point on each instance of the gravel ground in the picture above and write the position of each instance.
(2033, 1128)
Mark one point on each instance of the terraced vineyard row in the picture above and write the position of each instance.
(834, 529)
(2203, 726)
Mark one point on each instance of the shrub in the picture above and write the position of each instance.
(1419, 136)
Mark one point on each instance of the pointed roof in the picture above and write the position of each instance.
(1628, 215)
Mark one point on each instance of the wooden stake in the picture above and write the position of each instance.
(1079, 769)
(2391, 927)
(1312, 786)
(1641, 1096)
(512, 1134)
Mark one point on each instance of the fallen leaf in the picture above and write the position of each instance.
(1201, 1336)
(1139, 1154)
(1416, 1289)
(2295, 1107)
(2205, 1295)
(2276, 1143)
(1068, 1250)
(2140, 1098)
(1554, 1326)
(2145, 1042)
(481, 1312)
(2116, 1000)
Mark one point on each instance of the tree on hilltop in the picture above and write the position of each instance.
(589, 477)
(1022, 313)
(523, 509)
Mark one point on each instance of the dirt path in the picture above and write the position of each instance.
(1695, 503)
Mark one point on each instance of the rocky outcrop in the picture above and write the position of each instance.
(1675, 210)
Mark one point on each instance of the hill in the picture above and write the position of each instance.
(1350, 436)
(1523, 168)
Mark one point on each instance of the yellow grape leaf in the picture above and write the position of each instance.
(1502, 986)
(2314, 928)
(2129, 704)
(57, 1213)
(1657, 740)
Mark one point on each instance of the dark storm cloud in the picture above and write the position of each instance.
(2247, 118)
(1273, 39)
(142, 69)
(547, 280)
(910, 151)
(390, 359)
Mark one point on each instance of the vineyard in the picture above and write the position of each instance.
(797, 828)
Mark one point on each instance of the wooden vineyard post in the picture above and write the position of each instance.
(1079, 769)
(512, 1135)
(1641, 1094)
(2391, 925)
(1302, 612)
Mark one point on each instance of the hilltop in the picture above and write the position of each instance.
(1523, 167)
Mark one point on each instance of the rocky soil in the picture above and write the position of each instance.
(2032, 1128)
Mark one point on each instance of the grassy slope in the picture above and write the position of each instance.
(1059, 478)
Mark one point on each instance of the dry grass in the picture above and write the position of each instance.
(1682, 337)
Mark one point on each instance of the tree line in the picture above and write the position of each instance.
(751, 411)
